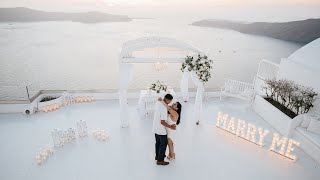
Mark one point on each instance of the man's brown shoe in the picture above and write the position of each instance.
(163, 163)
(157, 158)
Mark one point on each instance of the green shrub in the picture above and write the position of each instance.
(294, 97)
(47, 98)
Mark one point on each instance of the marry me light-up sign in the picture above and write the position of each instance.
(283, 146)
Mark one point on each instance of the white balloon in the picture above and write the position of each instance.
(45, 157)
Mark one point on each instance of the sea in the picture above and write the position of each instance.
(78, 56)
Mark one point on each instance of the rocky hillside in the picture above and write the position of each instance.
(21, 14)
(302, 32)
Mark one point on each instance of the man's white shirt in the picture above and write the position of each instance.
(160, 113)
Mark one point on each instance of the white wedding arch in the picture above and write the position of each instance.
(127, 60)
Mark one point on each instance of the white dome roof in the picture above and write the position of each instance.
(308, 55)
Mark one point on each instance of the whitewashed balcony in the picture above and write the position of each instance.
(202, 152)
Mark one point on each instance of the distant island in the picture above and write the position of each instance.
(301, 32)
(21, 14)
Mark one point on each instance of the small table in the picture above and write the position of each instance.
(148, 96)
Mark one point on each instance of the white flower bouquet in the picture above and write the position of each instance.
(201, 65)
(158, 87)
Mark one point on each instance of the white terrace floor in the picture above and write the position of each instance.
(203, 152)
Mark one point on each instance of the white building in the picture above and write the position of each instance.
(303, 67)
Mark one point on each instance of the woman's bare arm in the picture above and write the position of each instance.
(172, 112)
(165, 104)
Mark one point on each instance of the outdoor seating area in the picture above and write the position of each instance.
(257, 134)
(238, 89)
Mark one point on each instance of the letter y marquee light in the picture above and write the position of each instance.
(280, 145)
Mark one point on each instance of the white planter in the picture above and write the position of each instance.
(57, 101)
(280, 121)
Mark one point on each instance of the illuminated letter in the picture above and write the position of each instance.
(230, 127)
(291, 149)
(241, 127)
(276, 142)
(262, 135)
(222, 118)
(251, 132)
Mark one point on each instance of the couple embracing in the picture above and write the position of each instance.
(166, 119)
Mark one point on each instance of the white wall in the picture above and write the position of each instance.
(20, 108)
(13, 108)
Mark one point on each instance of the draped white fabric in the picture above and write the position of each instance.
(184, 86)
(125, 57)
(199, 96)
(126, 71)
(125, 78)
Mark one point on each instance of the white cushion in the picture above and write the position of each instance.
(234, 88)
(227, 87)
(314, 126)
(306, 121)
(313, 137)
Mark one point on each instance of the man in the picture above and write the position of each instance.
(159, 129)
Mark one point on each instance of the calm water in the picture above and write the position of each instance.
(76, 56)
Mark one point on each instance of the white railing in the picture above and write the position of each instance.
(267, 70)
(18, 93)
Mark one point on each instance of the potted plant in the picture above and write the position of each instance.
(284, 101)
(47, 100)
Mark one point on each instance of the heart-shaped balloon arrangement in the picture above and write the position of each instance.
(61, 138)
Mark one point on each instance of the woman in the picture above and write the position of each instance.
(174, 118)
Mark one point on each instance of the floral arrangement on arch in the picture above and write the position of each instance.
(158, 86)
(201, 65)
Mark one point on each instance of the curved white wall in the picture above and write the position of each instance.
(308, 55)
(300, 74)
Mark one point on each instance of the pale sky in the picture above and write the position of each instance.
(201, 8)
(156, 2)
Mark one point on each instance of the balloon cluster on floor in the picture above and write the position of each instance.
(44, 154)
(67, 99)
(83, 99)
(50, 108)
(100, 135)
(61, 138)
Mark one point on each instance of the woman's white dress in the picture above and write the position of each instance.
(171, 133)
